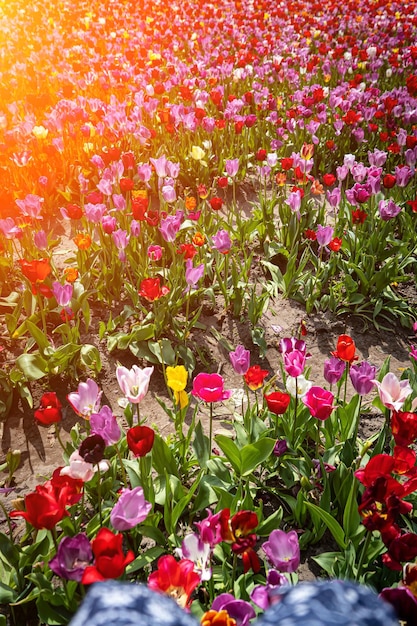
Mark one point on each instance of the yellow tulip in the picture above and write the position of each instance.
(181, 399)
(177, 377)
(197, 153)
(40, 132)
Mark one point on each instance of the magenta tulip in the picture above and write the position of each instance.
(319, 402)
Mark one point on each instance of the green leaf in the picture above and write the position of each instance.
(153, 533)
(201, 446)
(253, 454)
(90, 356)
(33, 366)
(231, 452)
(40, 337)
(327, 560)
(149, 557)
(351, 517)
(271, 523)
(52, 615)
(8, 551)
(7, 594)
(332, 524)
(163, 351)
(162, 458)
(179, 508)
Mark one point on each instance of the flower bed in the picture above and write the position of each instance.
(139, 133)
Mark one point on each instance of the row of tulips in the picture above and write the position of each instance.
(126, 497)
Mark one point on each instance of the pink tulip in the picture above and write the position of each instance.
(134, 383)
(130, 510)
(86, 400)
(210, 388)
(319, 402)
(82, 470)
(392, 392)
(282, 550)
(294, 362)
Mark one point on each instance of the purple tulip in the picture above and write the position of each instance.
(294, 202)
(240, 360)
(222, 241)
(232, 167)
(62, 293)
(94, 212)
(283, 551)
(119, 201)
(334, 197)
(73, 556)
(324, 235)
(362, 377)
(377, 158)
(130, 509)
(105, 424)
(31, 206)
(280, 447)
(263, 595)
(40, 240)
(120, 238)
(160, 166)
(193, 274)
(388, 210)
(239, 610)
(108, 224)
(403, 175)
(86, 400)
(144, 172)
(333, 370)
(168, 193)
(170, 226)
(135, 228)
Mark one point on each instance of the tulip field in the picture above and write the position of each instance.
(172, 175)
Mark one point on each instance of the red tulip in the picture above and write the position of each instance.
(151, 290)
(175, 578)
(35, 271)
(255, 376)
(110, 560)
(345, 349)
(140, 440)
(49, 411)
(44, 508)
(277, 402)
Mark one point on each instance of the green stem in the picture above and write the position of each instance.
(363, 555)
(295, 412)
(187, 313)
(54, 537)
(211, 428)
(122, 467)
(58, 436)
(346, 379)
(144, 477)
(42, 313)
(7, 520)
(358, 417)
(99, 496)
(234, 570)
(138, 412)
(318, 439)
